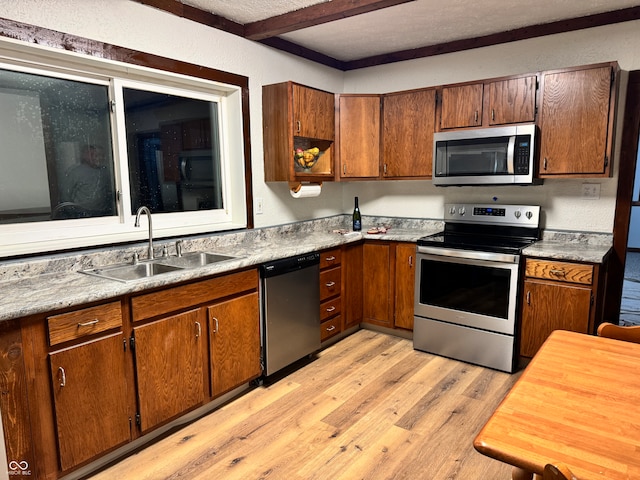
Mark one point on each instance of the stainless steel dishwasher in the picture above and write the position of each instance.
(290, 310)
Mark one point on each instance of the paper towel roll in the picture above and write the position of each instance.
(312, 190)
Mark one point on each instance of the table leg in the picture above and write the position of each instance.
(520, 474)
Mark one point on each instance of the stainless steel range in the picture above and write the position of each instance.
(467, 279)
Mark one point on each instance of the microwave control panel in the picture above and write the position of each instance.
(522, 154)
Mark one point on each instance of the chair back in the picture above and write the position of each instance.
(627, 334)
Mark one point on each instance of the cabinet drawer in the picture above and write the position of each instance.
(330, 281)
(72, 325)
(330, 258)
(330, 328)
(330, 308)
(561, 271)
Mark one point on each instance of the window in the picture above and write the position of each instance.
(83, 150)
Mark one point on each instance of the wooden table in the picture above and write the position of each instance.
(577, 402)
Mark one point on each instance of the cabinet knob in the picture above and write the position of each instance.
(198, 330)
(298, 125)
(330, 284)
(331, 308)
(215, 329)
(330, 259)
(558, 273)
(331, 328)
(529, 297)
(544, 163)
(475, 117)
(410, 261)
(493, 114)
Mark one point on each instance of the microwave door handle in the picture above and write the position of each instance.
(183, 168)
(510, 154)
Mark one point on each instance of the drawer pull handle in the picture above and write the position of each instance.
(62, 376)
(198, 330)
(330, 284)
(331, 328)
(88, 324)
(331, 308)
(330, 259)
(529, 297)
(558, 273)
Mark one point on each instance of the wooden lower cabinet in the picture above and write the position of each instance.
(331, 289)
(169, 355)
(389, 270)
(405, 261)
(234, 342)
(556, 296)
(353, 285)
(89, 388)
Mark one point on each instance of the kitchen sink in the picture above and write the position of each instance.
(195, 259)
(125, 273)
(151, 268)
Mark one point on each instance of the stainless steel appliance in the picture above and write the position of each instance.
(487, 156)
(467, 277)
(290, 290)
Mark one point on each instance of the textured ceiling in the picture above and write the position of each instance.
(409, 25)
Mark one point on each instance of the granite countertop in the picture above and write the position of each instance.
(51, 283)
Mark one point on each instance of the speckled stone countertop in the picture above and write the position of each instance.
(53, 282)
(49, 283)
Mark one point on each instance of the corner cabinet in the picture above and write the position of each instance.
(359, 136)
(577, 120)
(297, 117)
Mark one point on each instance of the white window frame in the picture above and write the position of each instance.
(39, 237)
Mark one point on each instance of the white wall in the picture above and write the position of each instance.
(136, 26)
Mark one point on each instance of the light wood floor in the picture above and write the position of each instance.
(369, 407)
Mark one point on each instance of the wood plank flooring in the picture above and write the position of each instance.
(369, 407)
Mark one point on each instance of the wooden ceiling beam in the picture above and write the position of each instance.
(314, 15)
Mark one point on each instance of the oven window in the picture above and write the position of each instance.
(468, 288)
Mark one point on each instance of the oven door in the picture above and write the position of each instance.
(468, 288)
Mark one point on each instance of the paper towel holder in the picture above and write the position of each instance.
(296, 186)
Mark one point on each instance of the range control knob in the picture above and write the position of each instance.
(452, 210)
(517, 213)
(462, 211)
(529, 215)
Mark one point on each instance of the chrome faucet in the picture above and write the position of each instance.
(146, 210)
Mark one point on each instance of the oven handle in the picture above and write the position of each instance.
(470, 254)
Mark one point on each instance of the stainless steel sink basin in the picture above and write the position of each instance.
(146, 269)
(125, 273)
(195, 259)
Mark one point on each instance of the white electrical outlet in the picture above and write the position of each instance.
(591, 191)
(259, 206)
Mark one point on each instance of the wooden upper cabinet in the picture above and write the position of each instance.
(313, 113)
(511, 101)
(359, 136)
(295, 116)
(577, 120)
(408, 127)
(461, 106)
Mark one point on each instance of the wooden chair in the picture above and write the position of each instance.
(557, 471)
(627, 334)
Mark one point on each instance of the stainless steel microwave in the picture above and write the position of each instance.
(487, 156)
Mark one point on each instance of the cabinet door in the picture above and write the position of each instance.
(378, 294)
(353, 285)
(550, 306)
(512, 101)
(359, 136)
(574, 122)
(461, 106)
(234, 342)
(408, 126)
(313, 113)
(90, 399)
(405, 285)
(169, 367)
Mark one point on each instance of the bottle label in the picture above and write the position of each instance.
(357, 225)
